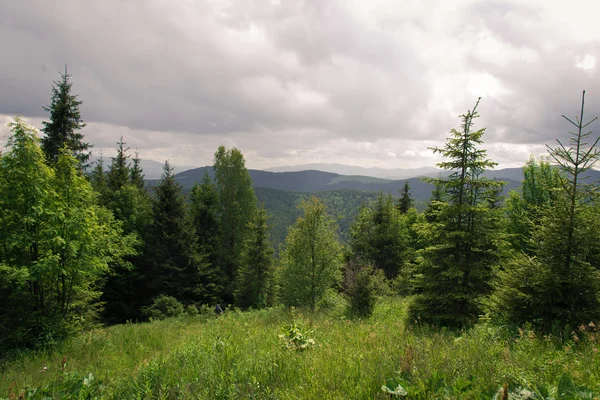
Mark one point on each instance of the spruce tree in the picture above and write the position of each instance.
(118, 175)
(205, 211)
(559, 283)
(254, 285)
(454, 271)
(380, 237)
(98, 178)
(174, 265)
(238, 206)
(405, 202)
(136, 173)
(65, 123)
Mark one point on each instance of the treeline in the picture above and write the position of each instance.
(79, 247)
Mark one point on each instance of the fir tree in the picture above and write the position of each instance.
(98, 177)
(136, 174)
(118, 175)
(405, 202)
(455, 270)
(559, 284)
(237, 208)
(65, 123)
(254, 286)
(379, 236)
(174, 265)
(205, 213)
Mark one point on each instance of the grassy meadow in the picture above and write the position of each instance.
(269, 354)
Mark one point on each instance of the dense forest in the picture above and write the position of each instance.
(87, 244)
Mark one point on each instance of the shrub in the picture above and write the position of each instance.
(362, 293)
(163, 307)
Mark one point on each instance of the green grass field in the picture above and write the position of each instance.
(241, 355)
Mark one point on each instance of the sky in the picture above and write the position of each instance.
(366, 83)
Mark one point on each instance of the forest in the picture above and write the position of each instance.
(85, 246)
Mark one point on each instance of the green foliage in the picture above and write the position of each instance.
(405, 202)
(238, 207)
(560, 284)
(254, 286)
(57, 244)
(296, 336)
(312, 257)
(454, 271)
(163, 307)
(174, 265)
(380, 236)
(362, 292)
(136, 174)
(118, 175)
(205, 211)
(65, 122)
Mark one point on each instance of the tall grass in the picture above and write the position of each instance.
(240, 355)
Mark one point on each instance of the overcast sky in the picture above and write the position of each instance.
(369, 83)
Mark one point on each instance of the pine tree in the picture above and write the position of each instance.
(238, 206)
(254, 285)
(65, 123)
(174, 265)
(118, 175)
(455, 270)
(435, 201)
(405, 202)
(312, 257)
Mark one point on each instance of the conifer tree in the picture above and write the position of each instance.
(379, 236)
(205, 210)
(136, 174)
(118, 175)
(435, 201)
(559, 284)
(405, 202)
(254, 286)
(174, 266)
(65, 123)
(98, 177)
(312, 257)
(238, 206)
(455, 270)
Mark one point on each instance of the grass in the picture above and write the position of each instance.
(240, 355)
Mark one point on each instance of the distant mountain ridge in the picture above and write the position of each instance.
(313, 181)
(342, 169)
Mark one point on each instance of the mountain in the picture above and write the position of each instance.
(341, 169)
(318, 181)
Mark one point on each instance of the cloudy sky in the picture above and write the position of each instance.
(369, 83)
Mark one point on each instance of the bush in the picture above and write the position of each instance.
(191, 310)
(163, 307)
(362, 293)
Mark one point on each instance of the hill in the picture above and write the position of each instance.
(318, 181)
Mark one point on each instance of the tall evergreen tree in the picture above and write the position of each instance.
(238, 206)
(312, 257)
(455, 270)
(560, 283)
(435, 201)
(118, 175)
(254, 287)
(136, 174)
(205, 210)
(65, 123)
(405, 202)
(174, 266)
(98, 177)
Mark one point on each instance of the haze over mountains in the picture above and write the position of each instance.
(391, 173)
